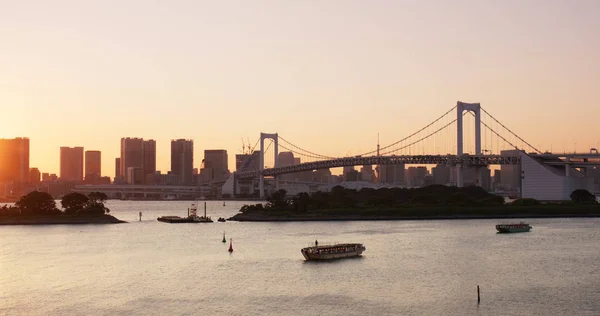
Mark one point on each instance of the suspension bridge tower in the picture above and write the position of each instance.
(261, 166)
(475, 108)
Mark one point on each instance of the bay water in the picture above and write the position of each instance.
(428, 267)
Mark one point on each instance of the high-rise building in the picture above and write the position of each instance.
(416, 176)
(71, 163)
(149, 166)
(245, 162)
(34, 175)
(349, 173)
(367, 173)
(285, 159)
(182, 160)
(118, 177)
(214, 166)
(510, 174)
(391, 174)
(14, 160)
(132, 155)
(138, 153)
(441, 174)
(93, 164)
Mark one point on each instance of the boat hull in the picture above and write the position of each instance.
(505, 229)
(332, 252)
(173, 220)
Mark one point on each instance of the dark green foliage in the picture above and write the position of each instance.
(277, 200)
(9, 211)
(581, 196)
(77, 203)
(251, 208)
(97, 197)
(74, 202)
(39, 203)
(525, 202)
(392, 198)
(301, 202)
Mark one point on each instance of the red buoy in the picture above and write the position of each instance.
(231, 245)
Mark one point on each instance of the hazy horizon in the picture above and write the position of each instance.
(327, 76)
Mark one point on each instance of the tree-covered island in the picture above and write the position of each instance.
(39, 208)
(431, 202)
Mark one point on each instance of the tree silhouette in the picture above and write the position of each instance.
(582, 196)
(74, 202)
(37, 202)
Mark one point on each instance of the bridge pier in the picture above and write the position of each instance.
(261, 167)
(459, 176)
(461, 107)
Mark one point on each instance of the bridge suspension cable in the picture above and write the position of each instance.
(411, 135)
(308, 153)
(420, 139)
(305, 155)
(517, 136)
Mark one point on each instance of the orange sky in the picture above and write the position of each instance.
(327, 76)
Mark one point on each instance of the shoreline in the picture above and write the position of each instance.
(253, 218)
(59, 220)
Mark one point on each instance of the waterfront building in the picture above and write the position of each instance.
(138, 153)
(34, 176)
(416, 176)
(71, 163)
(182, 160)
(118, 177)
(149, 158)
(93, 165)
(14, 160)
(441, 174)
(214, 167)
(392, 174)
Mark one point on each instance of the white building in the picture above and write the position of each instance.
(550, 183)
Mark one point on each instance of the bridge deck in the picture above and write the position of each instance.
(452, 160)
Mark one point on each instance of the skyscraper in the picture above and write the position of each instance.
(138, 153)
(132, 155)
(118, 177)
(34, 176)
(215, 166)
(71, 163)
(93, 164)
(182, 160)
(149, 165)
(14, 160)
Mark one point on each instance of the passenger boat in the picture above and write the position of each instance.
(328, 252)
(191, 218)
(513, 228)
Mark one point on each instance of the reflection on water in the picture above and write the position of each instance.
(409, 268)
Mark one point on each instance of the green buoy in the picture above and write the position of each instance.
(224, 240)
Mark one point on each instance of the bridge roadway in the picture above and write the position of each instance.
(452, 160)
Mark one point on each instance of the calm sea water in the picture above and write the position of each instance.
(409, 268)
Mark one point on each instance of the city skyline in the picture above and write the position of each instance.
(347, 70)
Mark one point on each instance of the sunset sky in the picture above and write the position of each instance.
(326, 75)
